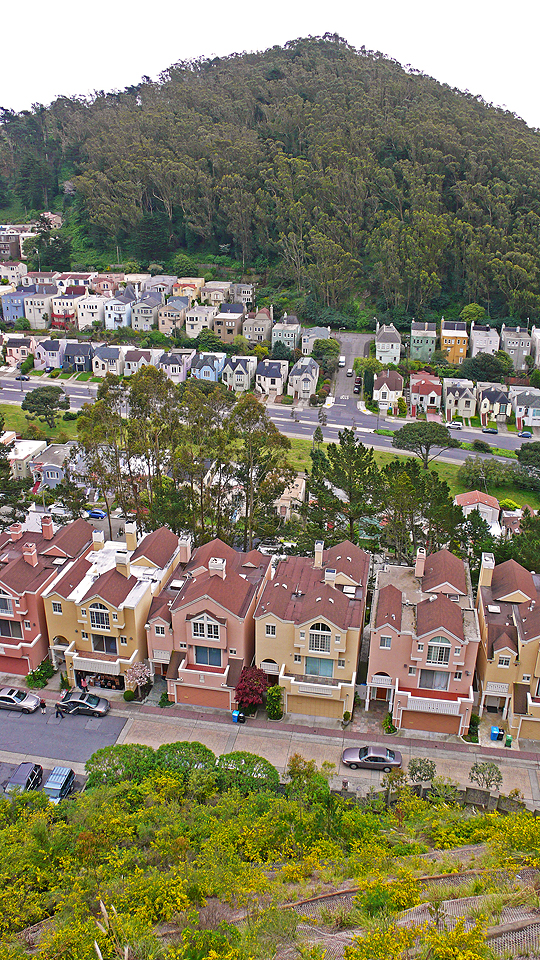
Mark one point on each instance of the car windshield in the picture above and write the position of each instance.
(52, 791)
(363, 753)
(19, 695)
(390, 755)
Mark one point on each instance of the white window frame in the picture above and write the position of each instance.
(297, 658)
(412, 671)
(56, 607)
(385, 643)
(458, 675)
(341, 664)
(504, 662)
(159, 630)
(270, 630)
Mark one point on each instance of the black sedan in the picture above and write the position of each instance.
(75, 701)
(371, 758)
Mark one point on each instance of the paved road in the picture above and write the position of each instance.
(72, 740)
(79, 392)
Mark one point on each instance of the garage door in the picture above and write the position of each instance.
(434, 722)
(15, 665)
(314, 706)
(203, 698)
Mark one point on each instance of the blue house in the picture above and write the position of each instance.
(13, 304)
(208, 366)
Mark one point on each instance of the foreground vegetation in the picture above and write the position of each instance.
(192, 859)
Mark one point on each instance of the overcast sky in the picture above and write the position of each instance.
(70, 48)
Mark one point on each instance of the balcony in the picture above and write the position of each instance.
(432, 701)
(197, 673)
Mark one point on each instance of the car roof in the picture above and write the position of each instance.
(58, 774)
(22, 772)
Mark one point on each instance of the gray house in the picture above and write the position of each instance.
(238, 373)
(516, 342)
(387, 344)
(303, 378)
(78, 357)
(48, 468)
(312, 334)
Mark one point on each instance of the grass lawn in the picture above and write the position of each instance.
(65, 376)
(15, 419)
(36, 373)
(84, 376)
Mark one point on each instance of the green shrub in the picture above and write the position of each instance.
(481, 446)
(129, 695)
(388, 724)
(274, 702)
(37, 679)
(70, 415)
(164, 700)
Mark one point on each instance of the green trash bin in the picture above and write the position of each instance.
(508, 741)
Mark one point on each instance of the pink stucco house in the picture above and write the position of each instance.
(424, 639)
(29, 562)
(200, 628)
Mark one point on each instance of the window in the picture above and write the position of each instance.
(302, 634)
(208, 656)
(115, 617)
(385, 643)
(201, 628)
(232, 651)
(526, 678)
(83, 613)
(319, 638)
(316, 667)
(420, 647)
(56, 607)
(84, 635)
(6, 605)
(297, 658)
(27, 625)
(182, 646)
(458, 675)
(123, 641)
(101, 644)
(434, 679)
(341, 664)
(160, 631)
(438, 650)
(457, 651)
(197, 628)
(412, 671)
(504, 662)
(337, 639)
(99, 616)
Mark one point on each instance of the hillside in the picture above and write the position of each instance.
(349, 178)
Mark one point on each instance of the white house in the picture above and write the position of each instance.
(90, 310)
(271, 376)
(387, 389)
(303, 379)
(387, 343)
(483, 339)
(488, 508)
(200, 318)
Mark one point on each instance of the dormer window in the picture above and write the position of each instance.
(99, 616)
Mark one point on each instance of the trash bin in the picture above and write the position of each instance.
(501, 734)
(494, 733)
(238, 717)
(508, 741)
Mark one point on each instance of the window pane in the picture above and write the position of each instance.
(317, 667)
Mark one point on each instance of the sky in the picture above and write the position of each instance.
(68, 48)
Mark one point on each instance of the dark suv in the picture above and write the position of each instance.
(27, 776)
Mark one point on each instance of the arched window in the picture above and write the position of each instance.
(319, 638)
(99, 616)
(438, 651)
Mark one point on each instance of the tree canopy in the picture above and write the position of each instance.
(421, 438)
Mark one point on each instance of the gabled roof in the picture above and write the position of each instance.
(474, 497)
(389, 607)
(157, 547)
(133, 356)
(442, 568)
(79, 349)
(269, 368)
(50, 346)
(501, 636)
(510, 577)
(439, 614)
(390, 378)
(107, 353)
(387, 334)
(112, 586)
(306, 365)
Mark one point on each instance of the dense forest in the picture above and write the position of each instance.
(356, 182)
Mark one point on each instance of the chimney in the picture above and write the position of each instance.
(330, 578)
(420, 563)
(47, 527)
(216, 567)
(486, 570)
(98, 539)
(184, 549)
(30, 554)
(15, 532)
(319, 547)
(131, 536)
(122, 563)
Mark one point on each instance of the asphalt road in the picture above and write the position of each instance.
(79, 392)
(73, 739)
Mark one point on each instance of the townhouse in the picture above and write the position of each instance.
(215, 292)
(292, 499)
(308, 628)
(454, 340)
(13, 271)
(49, 353)
(189, 287)
(516, 342)
(508, 667)
(257, 327)
(144, 311)
(13, 304)
(135, 360)
(228, 322)
(243, 293)
(387, 344)
(106, 284)
(21, 455)
(117, 309)
(425, 393)
(483, 339)
(488, 507)
(29, 563)
(78, 357)
(535, 345)
(38, 278)
(208, 366)
(108, 360)
(97, 606)
(90, 310)
(162, 285)
(423, 340)
(387, 389)
(526, 405)
(66, 280)
(493, 402)
(200, 628)
(64, 307)
(38, 305)
(177, 364)
(171, 315)
(200, 318)
(57, 462)
(271, 376)
(238, 372)
(424, 640)
(18, 349)
(312, 334)
(303, 379)
(287, 331)
(459, 398)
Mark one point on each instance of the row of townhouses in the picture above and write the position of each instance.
(198, 617)
(458, 342)
(458, 398)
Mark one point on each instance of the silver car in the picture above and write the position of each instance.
(75, 701)
(371, 758)
(13, 699)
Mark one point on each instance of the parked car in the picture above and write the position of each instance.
(525, 434)
(13, 699)
(350, 372)
(97, 514)
(490, 430)
(358, 379)
(455, 425)
(22, 376)
(76, 701)
(371, 758)
(60, 784)
(356, 388)
(27, 776)
(49, 369)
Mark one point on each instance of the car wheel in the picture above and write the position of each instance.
(353, 766)
(96, 714)
(387, 769)
(25, 711)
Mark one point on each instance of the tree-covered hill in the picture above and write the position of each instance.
(354, 175)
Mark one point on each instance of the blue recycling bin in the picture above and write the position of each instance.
(494, 733)
(238, 717)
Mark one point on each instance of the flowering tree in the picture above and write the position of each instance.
(138, 675)
(251, 687)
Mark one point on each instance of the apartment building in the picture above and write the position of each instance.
(454, 340)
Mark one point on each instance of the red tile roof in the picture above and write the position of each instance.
(158, 547)
(439, 614)
(510, 577)
(476, 496)
(443, 568)
(389, 607)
